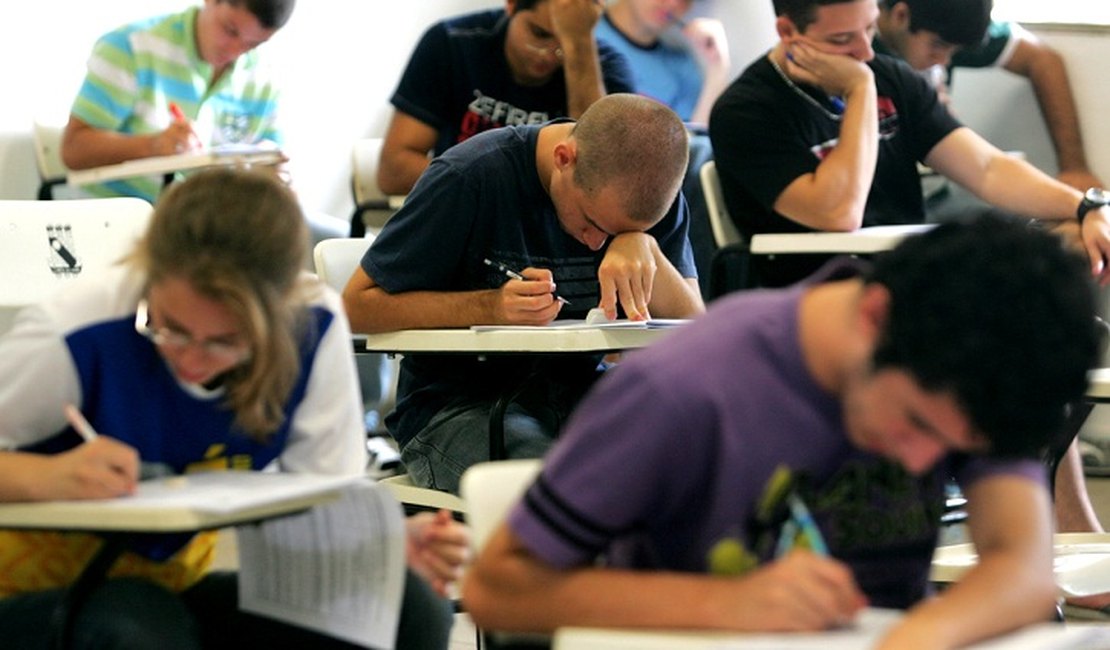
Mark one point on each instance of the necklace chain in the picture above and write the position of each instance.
(803, 94)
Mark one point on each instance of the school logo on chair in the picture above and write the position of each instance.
(63, 255)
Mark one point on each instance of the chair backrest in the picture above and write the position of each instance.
(489, 489)
(336, 259)
(45, 244)
(371, 204)
(724, 230)
(47, 137)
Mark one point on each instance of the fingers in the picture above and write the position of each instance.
(530, 301)
(98, 469)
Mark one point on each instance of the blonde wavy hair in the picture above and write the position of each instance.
(239, 238)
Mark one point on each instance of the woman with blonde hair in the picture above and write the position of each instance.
(207, 348)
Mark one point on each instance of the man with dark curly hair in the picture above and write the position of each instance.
(865, 390)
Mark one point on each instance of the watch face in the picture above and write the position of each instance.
(1097, 195)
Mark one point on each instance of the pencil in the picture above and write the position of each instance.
(80, 424)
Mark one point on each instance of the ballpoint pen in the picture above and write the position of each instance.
(515, 275)
(177, 113)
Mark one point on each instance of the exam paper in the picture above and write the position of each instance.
(338, 568)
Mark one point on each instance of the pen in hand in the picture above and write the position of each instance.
(88, 434)
(516, 276)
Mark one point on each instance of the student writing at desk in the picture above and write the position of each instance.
(590, 209)
(176, 83)
(531, 62)
(871, 389)
(206, 349)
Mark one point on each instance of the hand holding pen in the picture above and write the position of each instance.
(528, 298)
(178, 137)
(99, 468)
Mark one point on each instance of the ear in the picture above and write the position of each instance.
(900, 16)
(566, 153)
(874, 309)
(786, 29)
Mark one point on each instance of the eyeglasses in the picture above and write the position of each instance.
(165, 337)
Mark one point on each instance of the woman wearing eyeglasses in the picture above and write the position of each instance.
(207, 348)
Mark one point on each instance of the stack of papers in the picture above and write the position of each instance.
(594, 320)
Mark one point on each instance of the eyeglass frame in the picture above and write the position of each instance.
(175, 340)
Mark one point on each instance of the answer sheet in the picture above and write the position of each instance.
(338, 568)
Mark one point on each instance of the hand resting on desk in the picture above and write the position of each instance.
(98, 469)
(436, 548)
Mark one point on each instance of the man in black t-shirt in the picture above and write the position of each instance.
(531, 62)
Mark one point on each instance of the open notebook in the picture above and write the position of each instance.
(183, 503)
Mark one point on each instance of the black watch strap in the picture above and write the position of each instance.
(1093, 199)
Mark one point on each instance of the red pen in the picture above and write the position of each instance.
(177, 113)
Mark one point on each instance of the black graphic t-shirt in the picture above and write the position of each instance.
(459, 82)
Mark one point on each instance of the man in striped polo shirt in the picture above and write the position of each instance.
(174, 83)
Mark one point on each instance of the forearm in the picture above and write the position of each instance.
(517, 593)
(834, 196)
(399, 170)
(374, 310)
(674, 296)
(1072, 505)
(994, 597)
(1016, 186)
(1049, 77)
(582, 69)
(84, 147)
(21, 476)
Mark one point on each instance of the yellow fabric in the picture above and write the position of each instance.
(35, 561)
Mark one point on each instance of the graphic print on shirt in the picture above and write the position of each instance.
(485, 113)
(888, 128)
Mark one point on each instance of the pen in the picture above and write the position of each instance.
(516, 276)
(177, 113)
(805, 526)
(80, 424)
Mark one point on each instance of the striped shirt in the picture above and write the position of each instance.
(136, 71)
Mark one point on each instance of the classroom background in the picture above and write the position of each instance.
(341, 60)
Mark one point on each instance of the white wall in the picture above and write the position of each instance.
(1001, 106)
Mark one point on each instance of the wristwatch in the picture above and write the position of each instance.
(1094, 198)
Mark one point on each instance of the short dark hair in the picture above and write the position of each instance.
(271, 14)
(959, 22)
(999, 315)
(802, 12)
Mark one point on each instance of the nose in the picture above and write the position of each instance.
(594, 238)
(862, 51)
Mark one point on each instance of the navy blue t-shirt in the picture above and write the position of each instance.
(459, 82)
(483, 199)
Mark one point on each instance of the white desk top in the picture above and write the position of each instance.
(864, 634)
(158, 165)
(536, 341)
(1081, 566)
(183, 503)
(873, 239)
(1099, 387)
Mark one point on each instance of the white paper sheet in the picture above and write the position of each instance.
(338, 568)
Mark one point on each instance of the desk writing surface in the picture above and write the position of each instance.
(865, 633)
(508, 341)
(1098, 388)
(159, 165)
(872, 239)
(182, 503)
